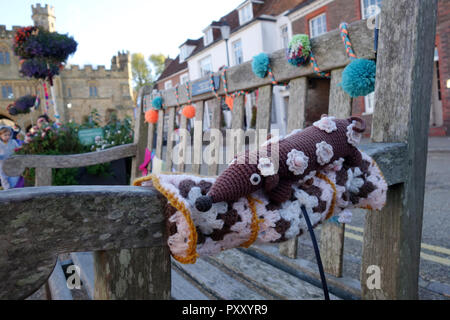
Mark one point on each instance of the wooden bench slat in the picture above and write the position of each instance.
(170, 138)
(36, 224)
(296, 115)
(198, 138)
(183, 144)
(15, 165)
(332, 234)
(215, 136)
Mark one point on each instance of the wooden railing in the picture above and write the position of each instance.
(400, 125)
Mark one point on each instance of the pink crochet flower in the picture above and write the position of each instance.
(297, 161)
(324, 152)
(353, 137)
(326, 124)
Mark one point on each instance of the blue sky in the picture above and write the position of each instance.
(103, 27)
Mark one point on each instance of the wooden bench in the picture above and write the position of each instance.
(38, 223)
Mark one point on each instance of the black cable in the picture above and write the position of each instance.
(317, 253)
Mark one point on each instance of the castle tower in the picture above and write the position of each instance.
(43, 16)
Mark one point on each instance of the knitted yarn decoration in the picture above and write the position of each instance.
(298, 50)
(157, 103)
(260, 64)
(188, 111)
(358, 78)
(151, 116)
(255, 218)
(299, 155)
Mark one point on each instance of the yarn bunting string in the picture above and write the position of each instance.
(46, 97)
(316, 67)
(343, 27)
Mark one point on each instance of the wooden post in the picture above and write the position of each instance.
(392, 237)
(140, 138)
(298, 95)
(332, 234)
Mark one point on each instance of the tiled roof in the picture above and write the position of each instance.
(174, 67)
(268, 8)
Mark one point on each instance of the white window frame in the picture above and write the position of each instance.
(284, 36)
(201, 63)
(246, 13)
(236, 51)
(364, 13)
(208, 37)
(167, 84)
(315, 33)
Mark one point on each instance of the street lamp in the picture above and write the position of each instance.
(225, 31)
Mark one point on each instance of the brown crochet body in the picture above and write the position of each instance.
(234, 182)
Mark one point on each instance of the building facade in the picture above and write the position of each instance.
(266, 26)
(78, 91)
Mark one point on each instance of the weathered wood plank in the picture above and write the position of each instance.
(403, 88)
(215, 137)
(198, 138)
(170, 137)
(298, 95)
(328, 50)
(150, 141)
(183, 144)
(271, 280)
(36, 224)
(216, 282)
(263, 113)
(132, 274)
(140, 137)
(332, 234)
(235, 138)
(43, 177)
(15, 165)
(160, 134)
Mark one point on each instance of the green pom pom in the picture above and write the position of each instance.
(300, 41)
(157, 103)
(358, 78)
(260, 65)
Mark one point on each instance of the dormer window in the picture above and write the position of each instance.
(183, 53)
(245, 13)
(208, 38)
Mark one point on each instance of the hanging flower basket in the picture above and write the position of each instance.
(34, 42)
(37, 68)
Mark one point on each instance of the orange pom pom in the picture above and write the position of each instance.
(151, 116)
(188, 111)
(229, 102)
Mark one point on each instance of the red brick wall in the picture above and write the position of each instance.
(175, 80)
(350, 11)
(443, 44)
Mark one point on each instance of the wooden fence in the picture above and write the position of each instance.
(102, 219)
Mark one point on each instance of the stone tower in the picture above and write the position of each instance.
(43, 16)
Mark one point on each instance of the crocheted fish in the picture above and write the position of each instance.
(277, 164)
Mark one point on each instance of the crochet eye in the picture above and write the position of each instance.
(255, 179)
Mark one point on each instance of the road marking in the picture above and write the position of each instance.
(424, 256)
(423, 245)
